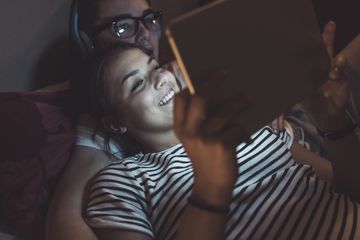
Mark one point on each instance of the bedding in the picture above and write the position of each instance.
(36, 137)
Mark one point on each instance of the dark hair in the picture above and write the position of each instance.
(88, 88)
(88, 12)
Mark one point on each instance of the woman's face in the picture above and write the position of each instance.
(140, 91)
(109, 9)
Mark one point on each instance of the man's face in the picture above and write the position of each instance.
(110, 9)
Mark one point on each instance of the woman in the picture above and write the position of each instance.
(88, 156)
(192, 180)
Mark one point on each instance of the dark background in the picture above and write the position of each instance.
(346, 14)
(33, 42)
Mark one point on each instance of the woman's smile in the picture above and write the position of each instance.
(167, 98)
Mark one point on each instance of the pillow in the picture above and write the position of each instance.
(36, 136)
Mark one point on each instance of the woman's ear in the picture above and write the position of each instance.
(110, 126)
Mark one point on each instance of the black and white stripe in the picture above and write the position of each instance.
(274, 197)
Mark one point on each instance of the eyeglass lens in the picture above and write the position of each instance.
(127, 27)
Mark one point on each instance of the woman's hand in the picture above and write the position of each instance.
(277, 124)
(173, 67)
(210, 143)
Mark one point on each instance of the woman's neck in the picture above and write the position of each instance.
(157, 142)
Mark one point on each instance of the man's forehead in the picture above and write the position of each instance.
(111, 8)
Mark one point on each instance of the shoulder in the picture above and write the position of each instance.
(87, 135)
(266, 137)
(119, 173)
(117, 199)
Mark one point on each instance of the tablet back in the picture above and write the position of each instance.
(272, 50)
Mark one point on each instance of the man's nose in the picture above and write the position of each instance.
(143, 34)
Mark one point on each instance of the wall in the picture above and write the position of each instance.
(33, 33)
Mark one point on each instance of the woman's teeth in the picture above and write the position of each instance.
(167, 98)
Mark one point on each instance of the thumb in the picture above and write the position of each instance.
(338, 67)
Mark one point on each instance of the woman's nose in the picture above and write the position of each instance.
(159, 81)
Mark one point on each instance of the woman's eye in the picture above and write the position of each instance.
(137, 84)
(157, 67)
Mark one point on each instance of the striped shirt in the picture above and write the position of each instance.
(274, 197)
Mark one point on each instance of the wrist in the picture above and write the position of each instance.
(332, 123)
(347, 127)
(213, 194)
(208, 207)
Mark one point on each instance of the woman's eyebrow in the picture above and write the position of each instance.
(127, 76)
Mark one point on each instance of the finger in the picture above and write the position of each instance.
(275, 125)
(174, 68)
(211, 86)
(281, 122)
(234, 135)
(328, 36)
(337, 70)
(218, 120)
(180, 105)
(195, 115)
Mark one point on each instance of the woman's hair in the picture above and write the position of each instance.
(88, 88)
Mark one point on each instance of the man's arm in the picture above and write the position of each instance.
(327, 109)
(352, 53)
(322, 166)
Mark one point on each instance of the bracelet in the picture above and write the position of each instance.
(208, 207)
(340, 133)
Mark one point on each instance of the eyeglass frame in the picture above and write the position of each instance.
(96, 31)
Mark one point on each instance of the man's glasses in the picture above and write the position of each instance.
(126, 27)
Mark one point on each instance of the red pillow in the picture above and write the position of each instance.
(36, 136)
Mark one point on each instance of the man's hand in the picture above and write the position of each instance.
(327, 106)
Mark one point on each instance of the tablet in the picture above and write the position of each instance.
(272, 50)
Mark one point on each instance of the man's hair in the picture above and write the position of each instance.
(87, 12)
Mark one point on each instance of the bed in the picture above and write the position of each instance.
(37, 127)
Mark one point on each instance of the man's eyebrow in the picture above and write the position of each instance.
(150, 60)
(127, 76)
(125, 15)
(111, 19)
(147, 11)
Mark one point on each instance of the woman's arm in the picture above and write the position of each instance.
(210, 143)
(64, 220)
(108, 234)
